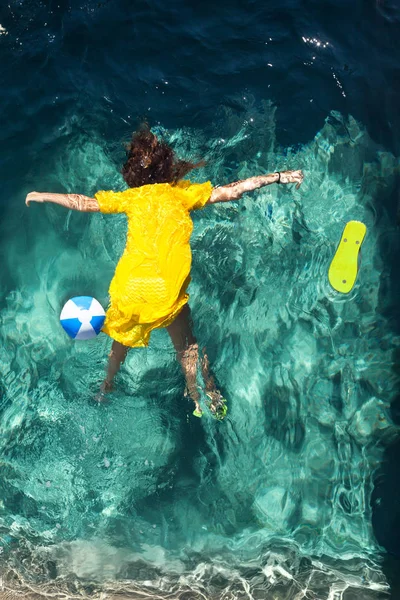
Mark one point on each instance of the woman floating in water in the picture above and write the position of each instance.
(149, 286)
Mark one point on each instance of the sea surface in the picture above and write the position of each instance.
(296, 494)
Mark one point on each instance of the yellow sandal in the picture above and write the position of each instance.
(343, 269)
(218, 409)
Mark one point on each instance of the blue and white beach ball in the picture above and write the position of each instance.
(82, 317)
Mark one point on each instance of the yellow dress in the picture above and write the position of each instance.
(148, 289)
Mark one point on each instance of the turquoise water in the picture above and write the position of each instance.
(137, 496)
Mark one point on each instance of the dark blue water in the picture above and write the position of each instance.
(296, 497)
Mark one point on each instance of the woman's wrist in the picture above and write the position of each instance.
(262, 180)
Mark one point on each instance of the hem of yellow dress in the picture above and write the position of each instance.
(121, 339)
(160, 324)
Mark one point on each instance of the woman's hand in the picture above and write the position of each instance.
(292, 177)
(34, 197)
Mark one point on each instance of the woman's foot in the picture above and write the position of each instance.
(105, 387)
(217, 404)
(194, 396)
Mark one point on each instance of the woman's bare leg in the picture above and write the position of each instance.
(207, 376)
(115, 359)
(187, 352)
(217, 403)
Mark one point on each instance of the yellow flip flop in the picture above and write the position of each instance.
(344, 266)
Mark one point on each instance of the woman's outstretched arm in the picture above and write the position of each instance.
(233, 191)
(72, 201)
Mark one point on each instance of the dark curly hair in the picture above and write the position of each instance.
(150, 160)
